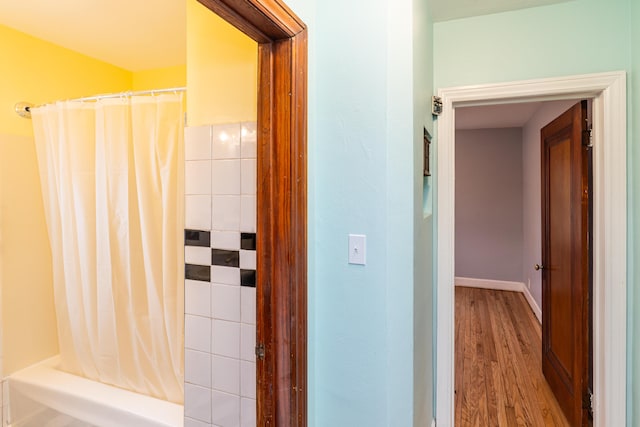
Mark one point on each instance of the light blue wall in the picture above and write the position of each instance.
(581, 36)
(350, 188)
(362, 180)
(399, 199)
(363, 324)
(423, 220)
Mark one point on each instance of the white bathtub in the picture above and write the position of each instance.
(41, 396)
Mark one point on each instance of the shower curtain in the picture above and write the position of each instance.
(111, 174)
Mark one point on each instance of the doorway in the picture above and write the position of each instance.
(499, 249)
(281, 351)
(608, 92)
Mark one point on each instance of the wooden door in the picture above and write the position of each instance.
(566, 261)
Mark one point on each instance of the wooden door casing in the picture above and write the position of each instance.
(566, 260)
(281, 311)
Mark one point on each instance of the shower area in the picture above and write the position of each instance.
(115, 174)
(111, 173)
(128, 235)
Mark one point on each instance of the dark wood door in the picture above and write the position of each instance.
(566, 261)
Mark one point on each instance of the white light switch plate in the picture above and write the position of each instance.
(357, 249)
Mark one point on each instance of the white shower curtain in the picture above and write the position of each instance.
(111, 175)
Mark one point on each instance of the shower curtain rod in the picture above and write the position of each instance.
(130, 93)
(23, 109)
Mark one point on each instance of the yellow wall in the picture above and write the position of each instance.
(39, 72)
(36, 71)
(160, 78)
(222, 70)
(28, 318)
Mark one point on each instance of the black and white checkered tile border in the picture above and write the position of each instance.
(219, 257)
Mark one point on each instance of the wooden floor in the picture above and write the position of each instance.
(498, 371)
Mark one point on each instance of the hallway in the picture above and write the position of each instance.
(498, 374)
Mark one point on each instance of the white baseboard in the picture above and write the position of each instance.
(532, 303)
(433, 423)
(501, 285)
(497, 285)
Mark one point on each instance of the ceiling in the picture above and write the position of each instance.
(495, 116)
(141, 34)
(133, 34)
(445, 10)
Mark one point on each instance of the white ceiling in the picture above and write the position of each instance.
(495, 116)
(445, 10)
(143, 34)
(132, 34)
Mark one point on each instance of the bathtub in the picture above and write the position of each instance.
(41, 396)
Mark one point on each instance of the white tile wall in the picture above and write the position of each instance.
(197, 177)
(225, 177)
(190, 422)
(226, 338)
(225, 213)
(226, 374)
(249, 140)
(225, 141)
(248, 379)
(225, 240)
(247, 412)
(197, 298)
(247, 342)
(197, 402)
(197, 255)
(197, 368)
(248, 260)
(197, 143)
(197, 333)
(226, 409)
(248, 305)
(248, 213)
(225, 302)
(248, 178)
(220, 315)
(225, 275)
(198, 212)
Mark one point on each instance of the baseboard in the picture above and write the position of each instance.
(433, 423)
(501, 285)
(532, 303)
(497, 285)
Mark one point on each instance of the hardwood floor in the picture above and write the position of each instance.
(498, 371)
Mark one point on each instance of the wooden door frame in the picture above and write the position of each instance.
(608, 91)
(281, 204)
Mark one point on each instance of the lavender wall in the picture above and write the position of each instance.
(489, 204)
(531, 197)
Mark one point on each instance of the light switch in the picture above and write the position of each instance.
(357, 249)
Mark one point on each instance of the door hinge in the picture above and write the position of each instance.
(587, 402)
(587, 138)
(260, 351)
(436, 105)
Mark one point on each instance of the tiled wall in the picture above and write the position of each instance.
(220, 263)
